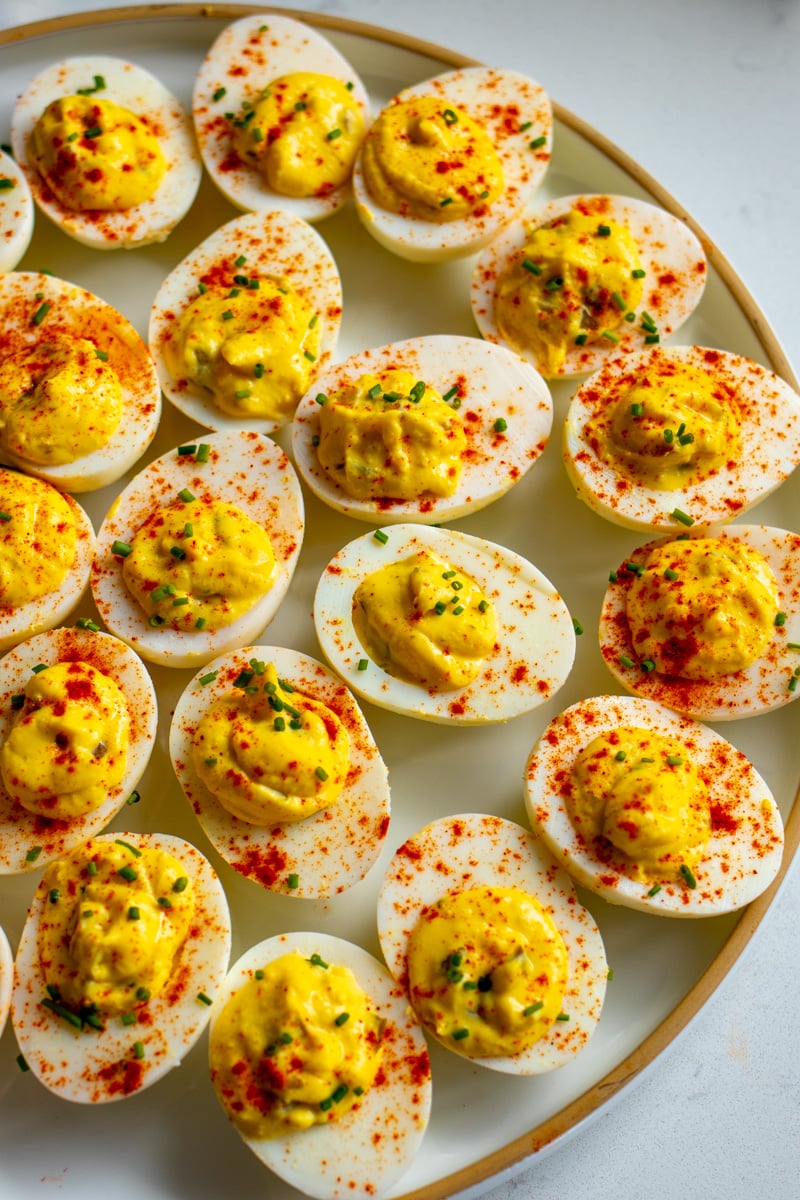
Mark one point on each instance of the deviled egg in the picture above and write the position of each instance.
(652, 810)
(442, 625)
(428, 429)
(16, 213)
(197, 553)
(107, 150)
(282, 771)
(6, 979)
(79, 396)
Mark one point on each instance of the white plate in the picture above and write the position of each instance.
(174, 1141)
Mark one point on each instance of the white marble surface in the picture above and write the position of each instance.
(705, 94)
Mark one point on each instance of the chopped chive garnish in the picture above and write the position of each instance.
(101, 354)
(381, 536)
(647, 665)
(686, 872)
(449, 116)
(636, 410)
(133, 913)
(525, 126)
(793, 683)
(624, 661)
(533, 267)
(134, 798)
(363, 663)
(333, 134)
(342, 1018)
(500, 425)
(668, 436)
(7, 184)
(610, 337)
(127, 872)
(604, 231)
(200, 623)
(33, 854)
(18, 701)
(210, 762)
(293, 881)
(178, 552)
(562, 1017)
(686, 439)
(620, 756)
(189, 448)
(639, 273)
(447, 200)
(458, 1035)
(683, 517)
(576, 625)
(674, 760)
(133, 849)
(321, 774)
(317, 960)
(532, 1008)
(54, 895)
(309, 355)
(780, 619)
(203, 998)
(40, 313)
(87, 623)
(321, 398)
(537, 143)
(39, 668)
(619, 301)
(21, 1063)
(482, 607)
(91, 868)
(219, 93)
(164, 902)
(652, 339)
(203, 451)
(180, 884)
(417, 391)
(451, 394)
(440, 607)
(258, 973)
(279, 724)
(580, 340)
(670, 574)
(138, 1049)
(186, 496)
(128, 1019)
(4, 516)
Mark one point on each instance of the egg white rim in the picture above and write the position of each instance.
(765, 685)
(311, 1159)
(523, 597)
(486, 850)
(16, 214)
(21, 832)
(6, 978)
(275, 238)
(770, 442)
(734, 785)
(80, 313)
(236, 459)
(134, 88)
(173, 1028)
(666, 246)
(328, 851)
(476, 90)
(497, 458)
(243, 185)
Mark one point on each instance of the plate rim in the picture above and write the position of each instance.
(515, 1155)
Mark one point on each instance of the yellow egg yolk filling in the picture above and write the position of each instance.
(671, 430)
(253, 349)
(198, 564)
(270, 753)
(115, 921)
(641, 791)
(303, 134)
(59, 401)
(66, 749)
(391, 435)
(425, 621)
(38, 539)
(576, 279)
(297, 1045)
(487, 971)
(428, 159)
(702, 607)
(94, 154)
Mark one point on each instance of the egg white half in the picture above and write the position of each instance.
(536, 637)
(16, 213)
(271, 243)
(329, 851)
(28, 841)
(765, 685)
(494, 385)
(94, 1066)
(516, 113)
(6, 979)
(136, 89)
(70, 311)
(368, 1149)
(672, 257)
(468, 850)
(739, 861)
(243, 468)
(245, 58)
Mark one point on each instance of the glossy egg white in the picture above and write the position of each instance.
(245, 469)
(244, 59)
(467, 850)
(769, 411)
(64, 311)
(672, 257)
(6, 979)
(530, 662)
(28, 841)
(516, 113)
(742, 855)
(49, 610)
(494, 385)
(367, 1150)
(270, 243)
(101, 1066)
(770, 682)
(139, 91)
(16, 213)
(327, 852)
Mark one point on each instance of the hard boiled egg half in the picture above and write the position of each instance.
(197, 552)
(282, 771)
(338, 1103)
(451, 160)
(502, 964)
(652, 810)
(6, 979)
(79, 395)
(584, 278)
(707, 623)
(241, 327)
(428, 429)
(16, 213)
(703, 431)
(280, 115)
(125, 946)
(442, 625)
(46, 547)
(78, 718)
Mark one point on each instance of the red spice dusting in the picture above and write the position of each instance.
(721, 819)
(266, 866)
